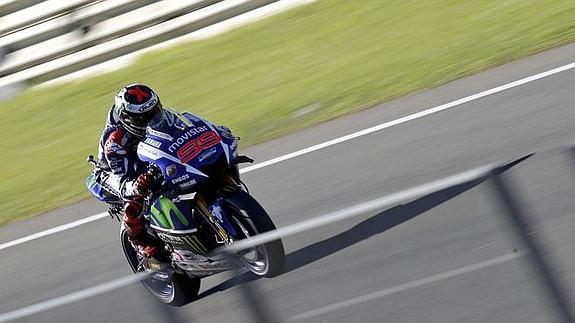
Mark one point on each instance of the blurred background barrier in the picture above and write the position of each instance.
(10, 6)
(262, 309)
(43, 40)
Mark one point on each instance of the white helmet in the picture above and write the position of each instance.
(136, 105)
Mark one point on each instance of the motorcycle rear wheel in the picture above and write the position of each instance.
(175, 290)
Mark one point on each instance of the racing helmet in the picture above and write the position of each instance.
(136, 105)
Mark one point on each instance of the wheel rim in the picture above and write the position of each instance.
(159, 283)
(256, 259)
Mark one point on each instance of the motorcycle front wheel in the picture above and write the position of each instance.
(249, 218)
(175, 289)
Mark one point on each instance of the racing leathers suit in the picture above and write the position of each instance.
(123, 174)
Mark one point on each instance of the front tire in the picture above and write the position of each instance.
(249, 218)
(176, 290)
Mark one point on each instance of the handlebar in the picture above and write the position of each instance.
(91, 160)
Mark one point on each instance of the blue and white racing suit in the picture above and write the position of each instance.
(118, 161)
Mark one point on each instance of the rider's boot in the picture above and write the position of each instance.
(144, 243)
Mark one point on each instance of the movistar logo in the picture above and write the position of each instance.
(186, 136)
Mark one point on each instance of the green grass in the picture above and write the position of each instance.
(338, 55)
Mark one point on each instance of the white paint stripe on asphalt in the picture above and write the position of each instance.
(414, 284)
(53, 230)
(359, 209)
(411, 117)
(340, 139)
(73, 297)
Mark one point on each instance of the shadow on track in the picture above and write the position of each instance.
(374, 225)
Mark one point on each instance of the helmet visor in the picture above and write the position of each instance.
(136, 123)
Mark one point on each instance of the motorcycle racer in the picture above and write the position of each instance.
(173, 180)
(119, 170)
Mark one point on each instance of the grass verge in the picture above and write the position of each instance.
(336, 55)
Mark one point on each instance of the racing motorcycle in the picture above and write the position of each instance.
(200, 206)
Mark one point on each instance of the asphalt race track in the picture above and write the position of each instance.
(388, 253)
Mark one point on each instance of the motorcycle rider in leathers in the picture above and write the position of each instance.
(122, 172)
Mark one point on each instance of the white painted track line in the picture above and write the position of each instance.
(414, 284)
(73, 297)
(57, 229)
(411, 117)
(332, 142)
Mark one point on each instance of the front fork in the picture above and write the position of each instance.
(222, 236)
(214, 213)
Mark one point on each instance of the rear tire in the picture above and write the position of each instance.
(253, 218)
(178, 290)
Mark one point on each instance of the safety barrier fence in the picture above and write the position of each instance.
(67, 36)
(11, 6)
(261, 307)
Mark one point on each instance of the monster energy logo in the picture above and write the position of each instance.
(164, 212)
(163, 215)
(195, 244)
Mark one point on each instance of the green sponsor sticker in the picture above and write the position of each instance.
(162, 211)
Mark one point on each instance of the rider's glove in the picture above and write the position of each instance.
(142, 184)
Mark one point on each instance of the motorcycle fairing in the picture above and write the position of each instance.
(181, 144)
(169, 216)
(98, 191)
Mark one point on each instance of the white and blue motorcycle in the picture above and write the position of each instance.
(202, 206)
